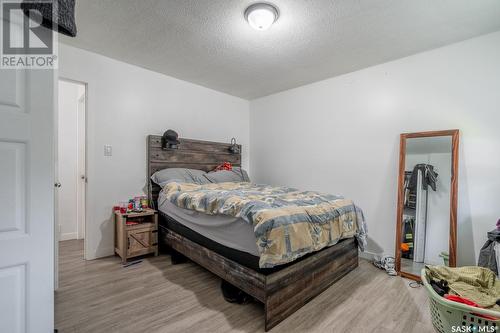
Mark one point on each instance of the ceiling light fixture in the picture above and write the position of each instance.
(261, 16)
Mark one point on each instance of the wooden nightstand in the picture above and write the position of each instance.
(132, 240)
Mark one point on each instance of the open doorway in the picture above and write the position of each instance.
(71, 164)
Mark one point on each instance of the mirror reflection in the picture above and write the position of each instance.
(426, 214)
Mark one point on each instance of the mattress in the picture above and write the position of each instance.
(228, 231)
(193, 226)
(287, 223)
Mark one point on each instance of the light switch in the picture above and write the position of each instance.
(108, 150)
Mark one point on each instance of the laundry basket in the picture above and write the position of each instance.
(448, 316)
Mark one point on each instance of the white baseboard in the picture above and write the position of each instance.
(372, 255)
(101, 253)
(68, 236)
(367, 255)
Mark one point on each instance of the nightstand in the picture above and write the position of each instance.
(136, 234)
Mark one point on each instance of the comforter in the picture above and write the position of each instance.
(288, 223)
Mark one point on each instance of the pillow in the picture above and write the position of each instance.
(223, 176)
(179, 175)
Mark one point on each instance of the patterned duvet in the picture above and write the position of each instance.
(288, 223)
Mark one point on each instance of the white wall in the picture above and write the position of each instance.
(341, 135)
(125, 104)
(67, 153)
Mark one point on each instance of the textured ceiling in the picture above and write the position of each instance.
(209, 43)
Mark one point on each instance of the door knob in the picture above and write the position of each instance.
(57, 184)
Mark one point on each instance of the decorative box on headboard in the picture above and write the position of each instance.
(190, 154)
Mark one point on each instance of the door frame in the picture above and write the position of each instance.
(85, 212)
(82, 214)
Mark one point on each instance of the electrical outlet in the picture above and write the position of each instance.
(108, 150)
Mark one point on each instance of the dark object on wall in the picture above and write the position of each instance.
(429, 177)
(233, 294)
(170, 140)
(58, 16)
(487, 255)
(234, 149)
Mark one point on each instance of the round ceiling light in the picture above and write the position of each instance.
(261, 16)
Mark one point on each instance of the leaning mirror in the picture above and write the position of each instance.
(427, 201)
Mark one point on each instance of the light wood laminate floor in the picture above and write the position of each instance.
(155, 296)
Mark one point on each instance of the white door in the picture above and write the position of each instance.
(26, 201)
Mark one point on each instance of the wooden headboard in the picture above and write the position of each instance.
(191, 154)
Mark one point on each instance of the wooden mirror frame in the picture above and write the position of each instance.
(453, 195)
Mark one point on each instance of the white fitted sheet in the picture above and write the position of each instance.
(226, 230)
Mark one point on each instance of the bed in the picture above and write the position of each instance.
(224, 244)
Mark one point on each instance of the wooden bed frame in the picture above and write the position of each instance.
(282, 292)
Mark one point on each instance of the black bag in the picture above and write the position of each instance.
(233, 294)
(487, 255)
